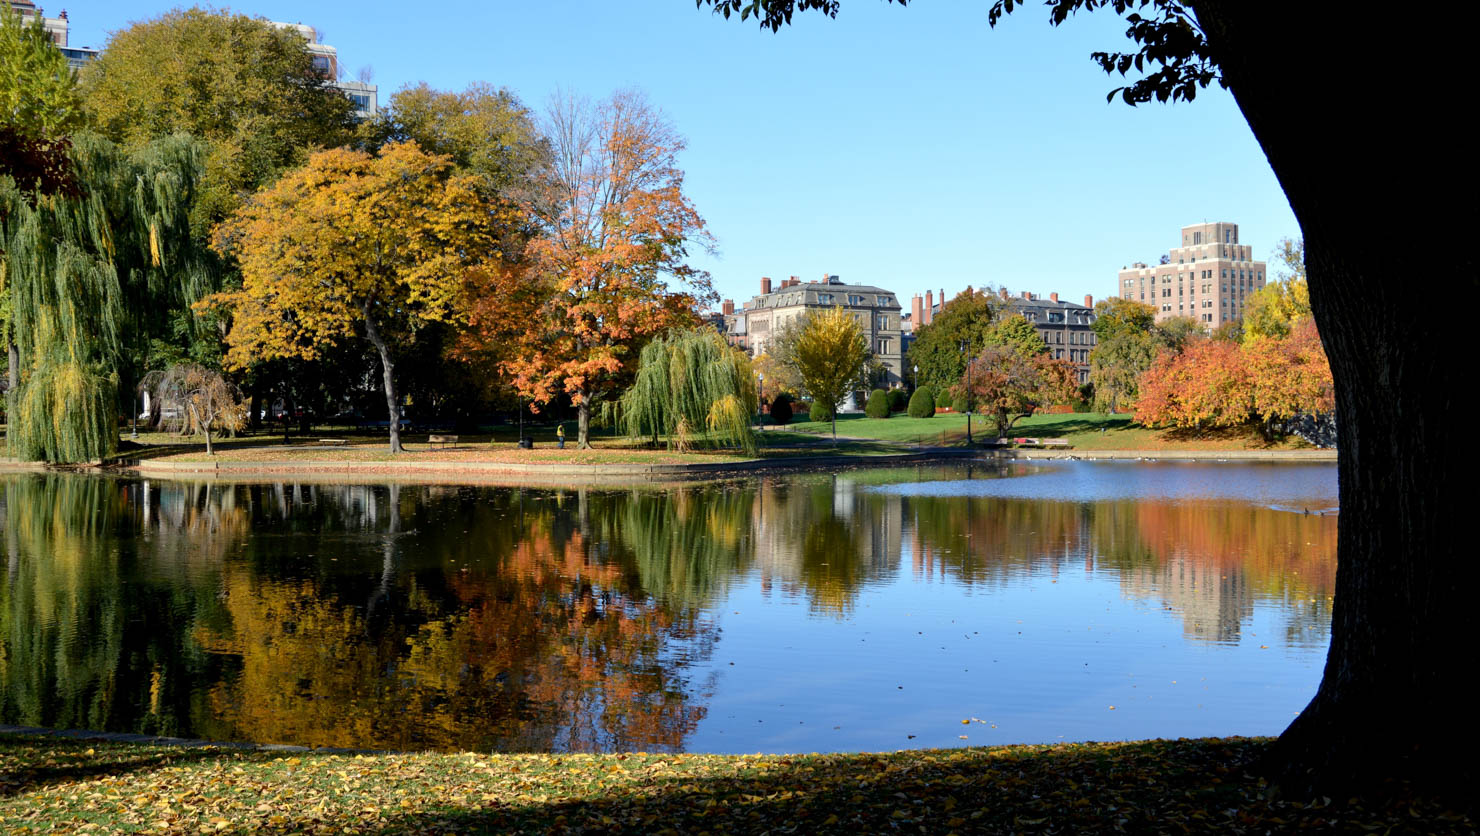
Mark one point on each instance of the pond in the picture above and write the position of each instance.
(864, 609)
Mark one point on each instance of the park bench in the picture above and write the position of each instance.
(443, 440)
(329, 442)
(1044, 443)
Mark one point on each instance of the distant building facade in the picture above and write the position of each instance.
(1064, 326)
(1208, 278)
(56, 27)
(364, 95)
(877, 311)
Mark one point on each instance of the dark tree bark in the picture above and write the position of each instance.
(388, 373)
(583, 421)
(1353, 109)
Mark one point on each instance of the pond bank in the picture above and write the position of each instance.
(482, 470)
(1160, 786)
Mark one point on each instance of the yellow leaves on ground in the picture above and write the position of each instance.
(1147, 787)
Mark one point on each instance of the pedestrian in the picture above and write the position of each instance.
(560, 436)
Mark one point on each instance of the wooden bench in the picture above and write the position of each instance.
(330, 442)
(443, 440)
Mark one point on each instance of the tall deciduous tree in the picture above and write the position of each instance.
(350, 243)
(245, 86)
(1388, 704)
(1276, 309)
(1009, 384)
(830, 355)
(609, 270)
(968, 318)
(1124, 349)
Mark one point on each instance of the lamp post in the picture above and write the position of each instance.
(968, 391)
(917, 378)
(760, 400)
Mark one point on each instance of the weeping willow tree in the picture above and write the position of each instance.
(91, 283)
(690, 381)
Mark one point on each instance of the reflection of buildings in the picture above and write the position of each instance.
(1214, 601)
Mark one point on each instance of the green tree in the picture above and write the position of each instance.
(1116, 366)
(1175, 332)
(937, 349)
(830, 355)
(1117, 315)
(1402, 613)
(877, 405)
(689, 380)
(246, 87)
(1275, 309)
(1018, 334)
(85, 278)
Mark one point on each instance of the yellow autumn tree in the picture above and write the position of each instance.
(830, 353)
(355, 245)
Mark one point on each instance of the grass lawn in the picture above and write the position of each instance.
(52, 785)
(1084, 430)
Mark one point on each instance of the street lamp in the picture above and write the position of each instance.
(760, 400)
(968, 391)
(917, 377)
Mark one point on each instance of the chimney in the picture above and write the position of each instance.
(796, 280)
(765, 284)
(1003, 292)
(929, 307)
(1053, 297)
(728, 308)
(917, 315)
(1028, 296)
(1089, 301)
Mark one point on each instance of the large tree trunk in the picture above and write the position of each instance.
(388, 371)
(1311, 80)
(583, 421)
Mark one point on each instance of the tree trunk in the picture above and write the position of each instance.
(1391, 702)
(583, 421)
(388, 371)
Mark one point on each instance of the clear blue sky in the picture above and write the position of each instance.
(910, 148)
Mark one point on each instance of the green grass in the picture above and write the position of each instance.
(1084, 430)
(63, 785)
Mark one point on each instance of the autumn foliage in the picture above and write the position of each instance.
(1212, 383)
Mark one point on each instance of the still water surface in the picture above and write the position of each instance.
(867, 609)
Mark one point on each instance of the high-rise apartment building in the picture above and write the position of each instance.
(1208, 278)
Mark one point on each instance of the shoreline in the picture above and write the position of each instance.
(482, 470)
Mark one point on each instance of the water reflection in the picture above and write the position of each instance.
(405, 617)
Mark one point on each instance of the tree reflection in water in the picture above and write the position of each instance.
(412, 617)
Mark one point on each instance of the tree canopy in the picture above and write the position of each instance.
(691, 382)
(249, 89)
(830, 356)
(353, 243)
(937, 349)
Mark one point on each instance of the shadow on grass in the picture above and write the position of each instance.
(1050, 425)
(74, 760)
(1148, 787)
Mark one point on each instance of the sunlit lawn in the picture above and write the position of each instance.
(1083, 430)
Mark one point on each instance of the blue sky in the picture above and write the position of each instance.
(912, 148)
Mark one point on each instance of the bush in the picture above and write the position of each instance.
(781, 409)
(958, 403)
(922, 403)
(899, 400)
(820, 412)
(877, 405)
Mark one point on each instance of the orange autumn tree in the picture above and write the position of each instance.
(353, 244)
(608, 271)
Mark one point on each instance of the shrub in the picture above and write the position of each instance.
(877, 405)
(820, 412)
(898, 400)
(958, 403)
(781, 409)
(922, 403)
